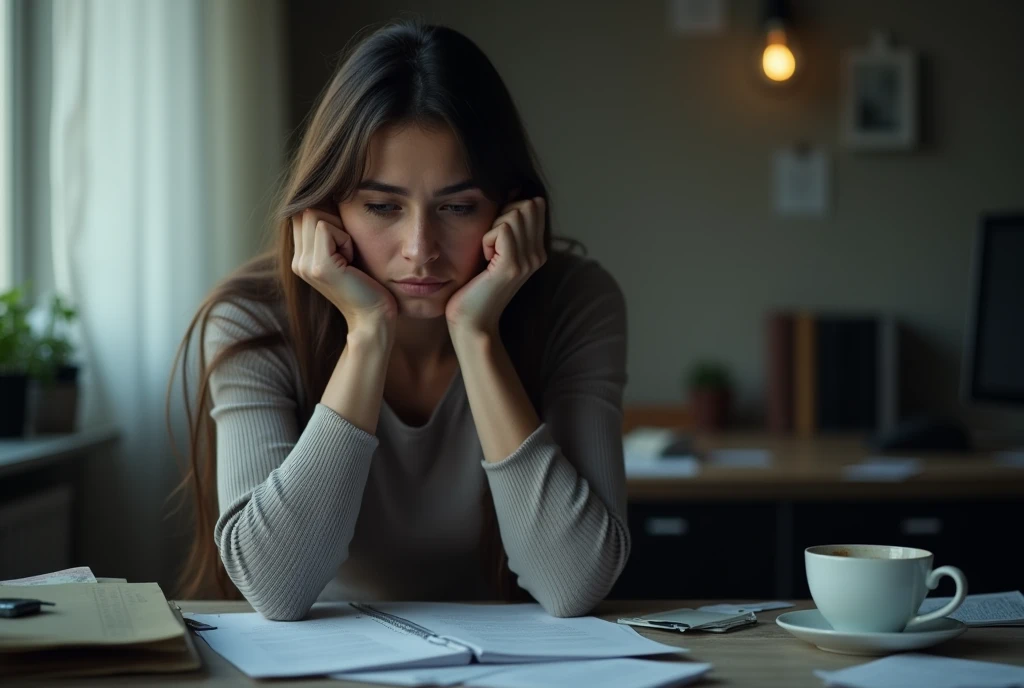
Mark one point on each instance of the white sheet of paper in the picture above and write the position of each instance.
(898, 671)
(79, 574)
(596, 673)
(525, 632)
(744, 608)
(882, 470)
(991, 609)
(440, 676)
(675, 467)
(740, 458)
(335, 638)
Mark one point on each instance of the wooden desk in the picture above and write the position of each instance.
(763, 655)
(812, 469)
(697, 536)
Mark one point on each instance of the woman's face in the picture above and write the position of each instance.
(417, 218)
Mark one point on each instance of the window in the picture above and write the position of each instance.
(6, 144)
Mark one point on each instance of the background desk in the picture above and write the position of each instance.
(40, 505)
(763, 655)
(742, 531)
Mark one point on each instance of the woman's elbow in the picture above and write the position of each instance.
(273, 599)
(276, 610)
(567, 606)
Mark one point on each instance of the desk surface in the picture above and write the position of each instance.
(812, 469)
(762, 655)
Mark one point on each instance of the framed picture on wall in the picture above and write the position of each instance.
(880, 99)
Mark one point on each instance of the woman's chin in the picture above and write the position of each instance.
(424, 309)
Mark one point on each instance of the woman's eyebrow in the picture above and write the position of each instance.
(374, 185)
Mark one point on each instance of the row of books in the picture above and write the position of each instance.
(831, 372)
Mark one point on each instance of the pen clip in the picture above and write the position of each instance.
(192, 624)
(198, 625)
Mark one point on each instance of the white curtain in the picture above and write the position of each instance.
(167, 132)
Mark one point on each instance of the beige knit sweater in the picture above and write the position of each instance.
(330, 512)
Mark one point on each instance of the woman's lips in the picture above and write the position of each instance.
(421, 288)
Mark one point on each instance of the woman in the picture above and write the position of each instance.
(412, 383)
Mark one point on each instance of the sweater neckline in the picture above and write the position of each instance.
(435, 414)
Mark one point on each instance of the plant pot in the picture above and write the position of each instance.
(711, 408)
(13, 403)
(55, 403)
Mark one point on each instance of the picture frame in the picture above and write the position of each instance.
(880, 98)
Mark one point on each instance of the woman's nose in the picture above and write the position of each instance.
(420, 242)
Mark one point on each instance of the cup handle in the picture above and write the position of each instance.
(932, 582)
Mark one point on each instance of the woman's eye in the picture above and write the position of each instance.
(459, 208)
(381, 208)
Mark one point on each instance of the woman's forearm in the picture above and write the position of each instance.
(356, 387)
(502, 411)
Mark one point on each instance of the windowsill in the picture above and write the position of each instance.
(29, 453)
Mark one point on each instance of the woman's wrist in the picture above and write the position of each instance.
(371, 334)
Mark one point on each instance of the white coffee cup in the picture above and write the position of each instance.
(876, 588)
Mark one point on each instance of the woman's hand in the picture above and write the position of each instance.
(323, 258)
(514, 250)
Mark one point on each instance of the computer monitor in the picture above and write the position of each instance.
(994, 350)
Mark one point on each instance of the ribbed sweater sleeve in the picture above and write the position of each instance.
(288, 499)
(561, 496)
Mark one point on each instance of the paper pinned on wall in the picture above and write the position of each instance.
(801, 181)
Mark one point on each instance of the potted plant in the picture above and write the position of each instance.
(16, 347)
(55, 395)
(710, 390)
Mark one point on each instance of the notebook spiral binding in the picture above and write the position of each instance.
(407, 626)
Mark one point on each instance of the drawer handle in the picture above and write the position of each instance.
(921, 526)
(666, 526)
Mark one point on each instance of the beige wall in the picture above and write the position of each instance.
(658, 148)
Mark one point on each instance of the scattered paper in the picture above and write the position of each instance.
(992, 609)
(80, 574)
(440, 676)
(740, 458)
(599, 673)
(344, 638)
(899, 671)
(676, 467)
(744, 608)
(335, 638)
(506, 633)
(647, 444)
(882, 469)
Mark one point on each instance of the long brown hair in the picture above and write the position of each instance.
(402, 72)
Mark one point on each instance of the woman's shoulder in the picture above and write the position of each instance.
(576, 281)
(239, 317)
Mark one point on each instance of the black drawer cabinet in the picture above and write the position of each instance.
(953, 531)
(700, 551)
(994, 546)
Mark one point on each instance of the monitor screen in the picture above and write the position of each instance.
(995, 340)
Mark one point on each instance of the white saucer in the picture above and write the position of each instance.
(811, 626)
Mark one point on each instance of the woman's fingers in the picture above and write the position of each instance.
(297, 242)
(343, 242)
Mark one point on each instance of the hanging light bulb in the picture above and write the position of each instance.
(778, 58)
(777, 61)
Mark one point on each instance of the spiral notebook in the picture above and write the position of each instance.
(345, 637)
